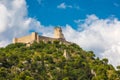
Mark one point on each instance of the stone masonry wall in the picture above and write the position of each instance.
(35, 37)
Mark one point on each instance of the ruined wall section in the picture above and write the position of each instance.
(46, 39)
(27, 39)
(24, 39)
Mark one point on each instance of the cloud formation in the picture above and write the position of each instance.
(14, 21)
(62, 6)
(65, 6)
(99, 35)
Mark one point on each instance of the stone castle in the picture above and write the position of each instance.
(35, 37)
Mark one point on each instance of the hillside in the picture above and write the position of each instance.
(53, 61)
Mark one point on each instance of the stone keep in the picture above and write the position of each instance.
(58, 33)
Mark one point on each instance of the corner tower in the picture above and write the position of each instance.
(58, 33)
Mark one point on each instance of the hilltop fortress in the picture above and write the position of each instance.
(34, 37)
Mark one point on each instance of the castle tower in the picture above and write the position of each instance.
(35, 36)
(14, 40)
(58, 33)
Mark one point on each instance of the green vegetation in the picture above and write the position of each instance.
(45, 61)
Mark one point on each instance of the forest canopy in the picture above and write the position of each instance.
(53, 61)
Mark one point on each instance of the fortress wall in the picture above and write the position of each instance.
(35, 37)
(27, 39)
(46, 39)
(24, 39)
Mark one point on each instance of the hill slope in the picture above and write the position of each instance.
(53, 61)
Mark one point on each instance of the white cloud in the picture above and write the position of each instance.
(4, 43)
(99, 35)
(64, 6)
(14, 21)
(78, 21)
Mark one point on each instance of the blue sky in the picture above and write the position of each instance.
(48, 13)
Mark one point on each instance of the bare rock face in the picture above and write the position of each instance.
(93, 72)
(66, 55)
